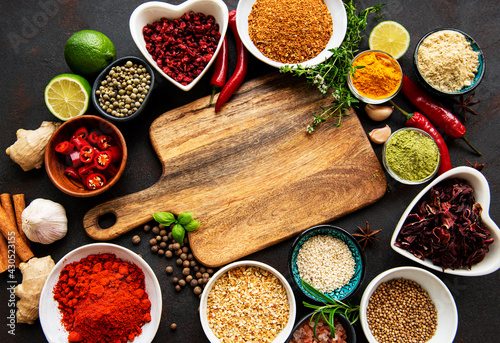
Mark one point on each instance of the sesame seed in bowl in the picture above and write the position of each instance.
(329, 259)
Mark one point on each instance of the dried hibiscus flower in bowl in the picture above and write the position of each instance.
(447, 226)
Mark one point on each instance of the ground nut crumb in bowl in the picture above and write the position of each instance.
(329, 259)
(247, 301)
(448, 61)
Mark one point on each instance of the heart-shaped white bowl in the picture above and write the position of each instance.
(152, 11)
(476, 179)
(339, 19)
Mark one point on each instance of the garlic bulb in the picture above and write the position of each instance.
(44, 221)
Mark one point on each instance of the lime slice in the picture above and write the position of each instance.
(390, 37)
(67, 96)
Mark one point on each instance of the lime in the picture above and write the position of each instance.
(390, 37)
(88, 52)
(67, 96)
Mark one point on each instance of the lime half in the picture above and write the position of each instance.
(67, 96)
(390, 37)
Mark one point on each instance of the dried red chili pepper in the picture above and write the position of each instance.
(94, 137)
(434, 111)
(220, 70)
(419, 121)
(102, 299)
(65, 147)
(87, 153)
(103, 160)
(72, 173)
(81, 132)
(104, 142)
(241, 66)
(95, 181)
(73, 159)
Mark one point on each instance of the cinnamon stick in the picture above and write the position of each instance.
(4, 255)
(19, 206)
(7, 206)
(9, 230)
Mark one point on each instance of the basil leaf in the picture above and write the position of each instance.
(192, 225)
(164, 218)
(178, 233)
(185, 217)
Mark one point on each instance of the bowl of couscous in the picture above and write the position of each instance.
(329, 259)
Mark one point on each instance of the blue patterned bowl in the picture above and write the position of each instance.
(357, 253)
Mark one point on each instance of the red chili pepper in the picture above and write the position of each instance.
(87, 153)
(419, 121)
(434, 111)
(241, 66)
(86, 170)
(220, 70)
(79, 142)
(102, 160)
(73, 159)
(94, 137)
(110, 171)
(65, 147)
(95, 181)
(72, 173)
(104, 142)
(81, 132)
(116, 154)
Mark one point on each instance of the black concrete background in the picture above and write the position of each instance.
(32, 39)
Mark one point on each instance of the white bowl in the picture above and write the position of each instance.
(447, 315)
(152, 11)
(476, 179)
(50, 317)
(339, 18)
(283, 335)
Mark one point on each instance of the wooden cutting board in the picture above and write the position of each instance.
(251, 174)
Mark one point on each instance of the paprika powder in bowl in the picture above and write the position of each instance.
(468, 235)
(316, 27)
(180, 41)
(376, 78)
(103, 291)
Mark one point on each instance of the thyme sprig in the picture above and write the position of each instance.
(329, 308)
(330, 76)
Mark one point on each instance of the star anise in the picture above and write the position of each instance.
(476, 165)
(366, 236)
(465, 105)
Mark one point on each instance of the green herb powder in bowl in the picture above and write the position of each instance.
(411, 156)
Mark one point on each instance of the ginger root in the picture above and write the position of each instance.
(29, 149)
(35, 272)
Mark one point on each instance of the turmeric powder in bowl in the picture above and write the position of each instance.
(376, 77)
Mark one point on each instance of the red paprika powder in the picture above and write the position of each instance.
(102, 299)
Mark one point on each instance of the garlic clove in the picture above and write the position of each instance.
(378, 112)
(379, 136)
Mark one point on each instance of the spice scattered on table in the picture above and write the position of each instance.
(376, 75)
(247, 304)
(466, 104)
(325, 262)
(445, 227)
(447, 61)
(366, 236)
(401, 311)
(291, 31)
(412, 155)
(305, 332)
(183, 47)
(124, 89)
(102, 299)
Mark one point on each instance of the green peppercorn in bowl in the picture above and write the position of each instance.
(330, 259)
(122, 90)
(414, 299)
(411, 156)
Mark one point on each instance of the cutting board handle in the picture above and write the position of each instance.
(130, 211)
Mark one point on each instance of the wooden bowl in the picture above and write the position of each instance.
(55, 163)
